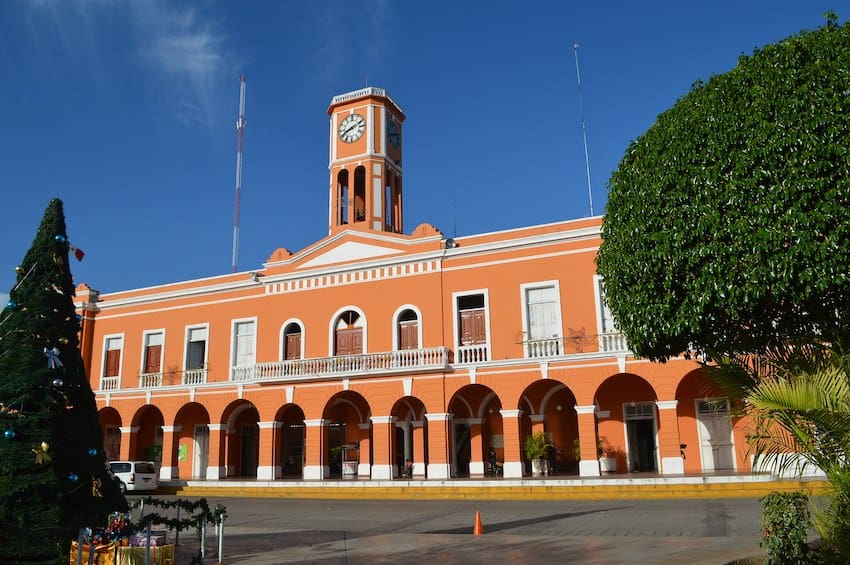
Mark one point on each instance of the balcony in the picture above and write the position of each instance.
(613, 342)
(109, 383)
(476, 353)
(405, 361)
(575, 343)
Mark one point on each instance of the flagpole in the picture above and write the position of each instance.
(583, 130)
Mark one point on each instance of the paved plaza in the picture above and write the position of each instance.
(265, 531)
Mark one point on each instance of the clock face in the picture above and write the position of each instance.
(393, 135)
(351, 128)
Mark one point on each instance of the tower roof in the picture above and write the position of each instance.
(363, 93)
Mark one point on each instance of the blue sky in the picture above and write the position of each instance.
(126, 110)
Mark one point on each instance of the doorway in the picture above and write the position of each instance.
(201, 451)
(717, 448)
(640, 434)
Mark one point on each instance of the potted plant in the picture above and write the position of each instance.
(535, 447)
(607, 463)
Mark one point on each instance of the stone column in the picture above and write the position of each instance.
(217, 462)
(268, 466)
(128, 442)
(512, 466)
(315, 445)
(476, 441)
(419, 450)
(668, 438)
(169, 468)
(588, 465)
(383, 434)
(438, 445)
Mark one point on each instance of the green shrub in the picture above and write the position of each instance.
(785, 522)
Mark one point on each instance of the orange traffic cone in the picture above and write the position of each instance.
(477, 530)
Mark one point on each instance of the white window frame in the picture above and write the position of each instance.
(282, 339)
(396, 316)
(332, 328)
(523, 297)
(456, 317)
(187, 335)
(600, 303)
(233, 341)
(106, 339)
(145, 337)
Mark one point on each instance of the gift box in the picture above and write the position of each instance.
(103, 554)
(141, 540)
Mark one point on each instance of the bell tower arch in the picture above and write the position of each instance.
(365, 162)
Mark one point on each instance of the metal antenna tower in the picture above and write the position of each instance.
(583, 129)
(240, 136)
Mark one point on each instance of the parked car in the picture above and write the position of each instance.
(135, 475)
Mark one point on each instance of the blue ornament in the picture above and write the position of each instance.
(9, 434)
(92, 451)
(11, 305)
(73, 477)
(78, 317)
(60, 238)
(58, 383)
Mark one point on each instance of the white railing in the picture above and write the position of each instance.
(477, 353)
(109, 383)
(613, 342)
(386, 362)
(194, 376)
(547, 347)
(150, 380)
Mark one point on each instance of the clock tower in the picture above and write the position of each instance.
(365, 162)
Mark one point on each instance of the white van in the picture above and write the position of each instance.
(135, 475)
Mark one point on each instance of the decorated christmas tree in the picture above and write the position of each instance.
(53, 478)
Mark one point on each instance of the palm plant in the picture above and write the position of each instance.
(799, 397)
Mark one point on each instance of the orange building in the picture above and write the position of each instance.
(372, 347)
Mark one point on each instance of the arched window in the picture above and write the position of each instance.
(348, 334)
(408, 330)
(342, 197)
(360, 194)
(292, 341)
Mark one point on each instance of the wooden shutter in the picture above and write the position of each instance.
(408, 335)
(292, 349)
(472, 327)
(153, 358)
(113, 362)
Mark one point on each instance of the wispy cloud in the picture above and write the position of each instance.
(181, 48)
(187, 50)
(338, 52)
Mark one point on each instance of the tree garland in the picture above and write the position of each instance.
(196, 520)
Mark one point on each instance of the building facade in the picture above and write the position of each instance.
(371, 348)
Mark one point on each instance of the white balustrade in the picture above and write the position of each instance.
(109, 383)
(477, 353)
(390, 361)
(194, 376)
(150, 380)
(547, 347)
(613, 342)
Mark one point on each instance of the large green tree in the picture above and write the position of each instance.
(53, 478)
(727, 227)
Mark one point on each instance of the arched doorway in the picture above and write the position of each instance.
(411, 438)
(476, 427)
(347, 452)
(292, 433)
(148, 438)
(110, 425)
(629, 434)
(548, 406)
(193, 441)
(243, 439)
